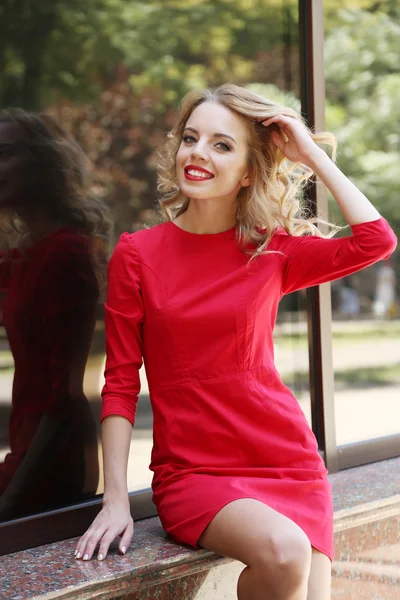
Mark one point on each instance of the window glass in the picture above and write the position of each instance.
(363, 93)
(112, 75)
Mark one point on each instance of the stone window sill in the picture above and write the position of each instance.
(363, 497)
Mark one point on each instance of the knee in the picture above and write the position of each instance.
(287, 562)
(292, 554)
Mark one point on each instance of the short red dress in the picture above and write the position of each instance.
(202, 317)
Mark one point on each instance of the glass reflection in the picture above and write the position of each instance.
(118, 103)
(51, 272)
(362, 110)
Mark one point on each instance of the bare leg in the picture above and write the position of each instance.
(319, 583)
(276, 551)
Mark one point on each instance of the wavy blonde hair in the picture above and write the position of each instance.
(274, 198)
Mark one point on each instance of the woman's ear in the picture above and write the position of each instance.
(246, 180)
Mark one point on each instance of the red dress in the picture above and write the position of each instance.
(49, 316)
(225, 426)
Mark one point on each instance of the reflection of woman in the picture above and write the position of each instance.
(49, 274)
(236, 466)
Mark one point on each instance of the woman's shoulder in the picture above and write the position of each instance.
(142, 241)
(280, 237)
(285, 243)
(146, 234)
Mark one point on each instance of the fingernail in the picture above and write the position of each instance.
(78, 555)
(76, 552)
(100, 557)
(86, 557)
(123, 549)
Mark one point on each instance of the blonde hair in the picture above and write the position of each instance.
(274, 198)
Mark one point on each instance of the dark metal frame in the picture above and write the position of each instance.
(319, 298)
(311, 23)
(368, 451)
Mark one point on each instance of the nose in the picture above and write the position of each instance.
(199, 152)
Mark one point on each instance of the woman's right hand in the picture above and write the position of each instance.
(113, 520)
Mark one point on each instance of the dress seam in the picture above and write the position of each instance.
(179, 383)
(143, 263)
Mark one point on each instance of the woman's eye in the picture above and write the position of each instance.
(223, 146)
(188, 139)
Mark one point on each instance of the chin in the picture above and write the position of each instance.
(190, 193)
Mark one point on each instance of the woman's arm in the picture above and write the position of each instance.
(312, 260)
(124, 314)
(356, 208)
(300, 148)
(115, 518)
(116, 433)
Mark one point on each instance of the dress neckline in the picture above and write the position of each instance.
(219, 234)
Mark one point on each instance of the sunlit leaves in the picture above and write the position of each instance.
(362, 58)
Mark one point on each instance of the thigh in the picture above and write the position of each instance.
(244, 526)
(319, 582)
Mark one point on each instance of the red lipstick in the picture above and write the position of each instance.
(193, 173)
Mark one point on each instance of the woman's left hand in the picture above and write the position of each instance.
(293, 141)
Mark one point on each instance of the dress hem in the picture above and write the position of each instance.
(207, 517)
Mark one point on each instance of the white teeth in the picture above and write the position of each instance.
(195, 173)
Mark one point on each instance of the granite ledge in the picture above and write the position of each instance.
(361, 495)
(51, 571)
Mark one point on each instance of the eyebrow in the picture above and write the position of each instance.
(216, 135)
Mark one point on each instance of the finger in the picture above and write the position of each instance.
(267, 122)
(276, 119)
(89, 542)
(105, 543)
(126, 539)
(284, 136)
(283, 132)
(81, 545)
(278, 141)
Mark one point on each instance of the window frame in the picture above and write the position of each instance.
(319, 310)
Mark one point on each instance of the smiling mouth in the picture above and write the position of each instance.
(197, 174)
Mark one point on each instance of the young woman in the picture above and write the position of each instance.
(236, 466)
(50, 274)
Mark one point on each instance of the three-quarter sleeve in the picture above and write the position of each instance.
(123, 322)
(313, 260)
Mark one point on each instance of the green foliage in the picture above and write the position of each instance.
(163, 43)
(113, 71)
(362, 58)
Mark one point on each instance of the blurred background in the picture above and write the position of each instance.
(113, 73)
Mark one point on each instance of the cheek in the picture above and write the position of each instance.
(181, 156)
(233, 171)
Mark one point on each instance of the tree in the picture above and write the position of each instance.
(73, 49)
(113, 72)
(362, 58)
